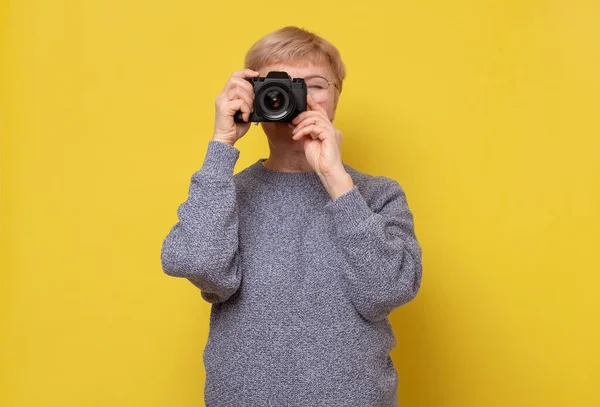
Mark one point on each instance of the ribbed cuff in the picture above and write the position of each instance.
(220, 160)
(349, 209)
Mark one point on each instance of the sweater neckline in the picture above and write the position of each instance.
(299, 179)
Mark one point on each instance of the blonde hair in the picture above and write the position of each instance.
(291, 44)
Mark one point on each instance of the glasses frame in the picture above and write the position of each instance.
(329, 83)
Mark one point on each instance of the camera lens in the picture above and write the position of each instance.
(276, 102)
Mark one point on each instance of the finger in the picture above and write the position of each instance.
(308, 114)
(310, 121)
(230, 108)
(237, 93)
(236, 82)
(313, 105)
(306, 143)
(245, 73)
(313, 130)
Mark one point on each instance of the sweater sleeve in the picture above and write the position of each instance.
(381, 247)
(203, 244)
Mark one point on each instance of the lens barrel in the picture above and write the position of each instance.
(275, 102)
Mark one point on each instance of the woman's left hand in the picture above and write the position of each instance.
(322, 146)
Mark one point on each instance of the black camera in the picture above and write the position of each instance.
(277, 98)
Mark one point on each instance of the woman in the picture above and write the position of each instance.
(302, 257)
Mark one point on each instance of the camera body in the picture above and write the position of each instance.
(277, 98)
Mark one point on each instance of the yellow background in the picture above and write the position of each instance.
(487, 112)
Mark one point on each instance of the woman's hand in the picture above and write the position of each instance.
(322, 146)
(238, 94)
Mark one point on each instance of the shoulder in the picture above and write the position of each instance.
(245, 176)
(368, 183)
(377, 190)
(250, 182)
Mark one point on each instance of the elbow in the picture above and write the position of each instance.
(408, 292)
(169, 266)
(218, 278)
(410, 275)
(168, 259)
(410, 279)
(178, 259)
(379, 307)
(177, 264)
(377, 304)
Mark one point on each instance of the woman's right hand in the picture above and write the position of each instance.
(238, 94)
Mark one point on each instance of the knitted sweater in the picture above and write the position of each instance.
(300, 285)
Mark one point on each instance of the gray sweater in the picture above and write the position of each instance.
(300, 285)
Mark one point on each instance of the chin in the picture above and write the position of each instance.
(277, 131)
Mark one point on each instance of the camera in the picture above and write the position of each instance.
(277, 98)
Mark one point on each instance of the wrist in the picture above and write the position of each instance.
(338, 184)
(223, 140)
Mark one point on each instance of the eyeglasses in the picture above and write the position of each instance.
(316, 84)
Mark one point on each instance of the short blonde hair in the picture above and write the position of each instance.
(291, 44)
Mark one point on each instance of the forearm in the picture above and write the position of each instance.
(383, 254)
(203, 245)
